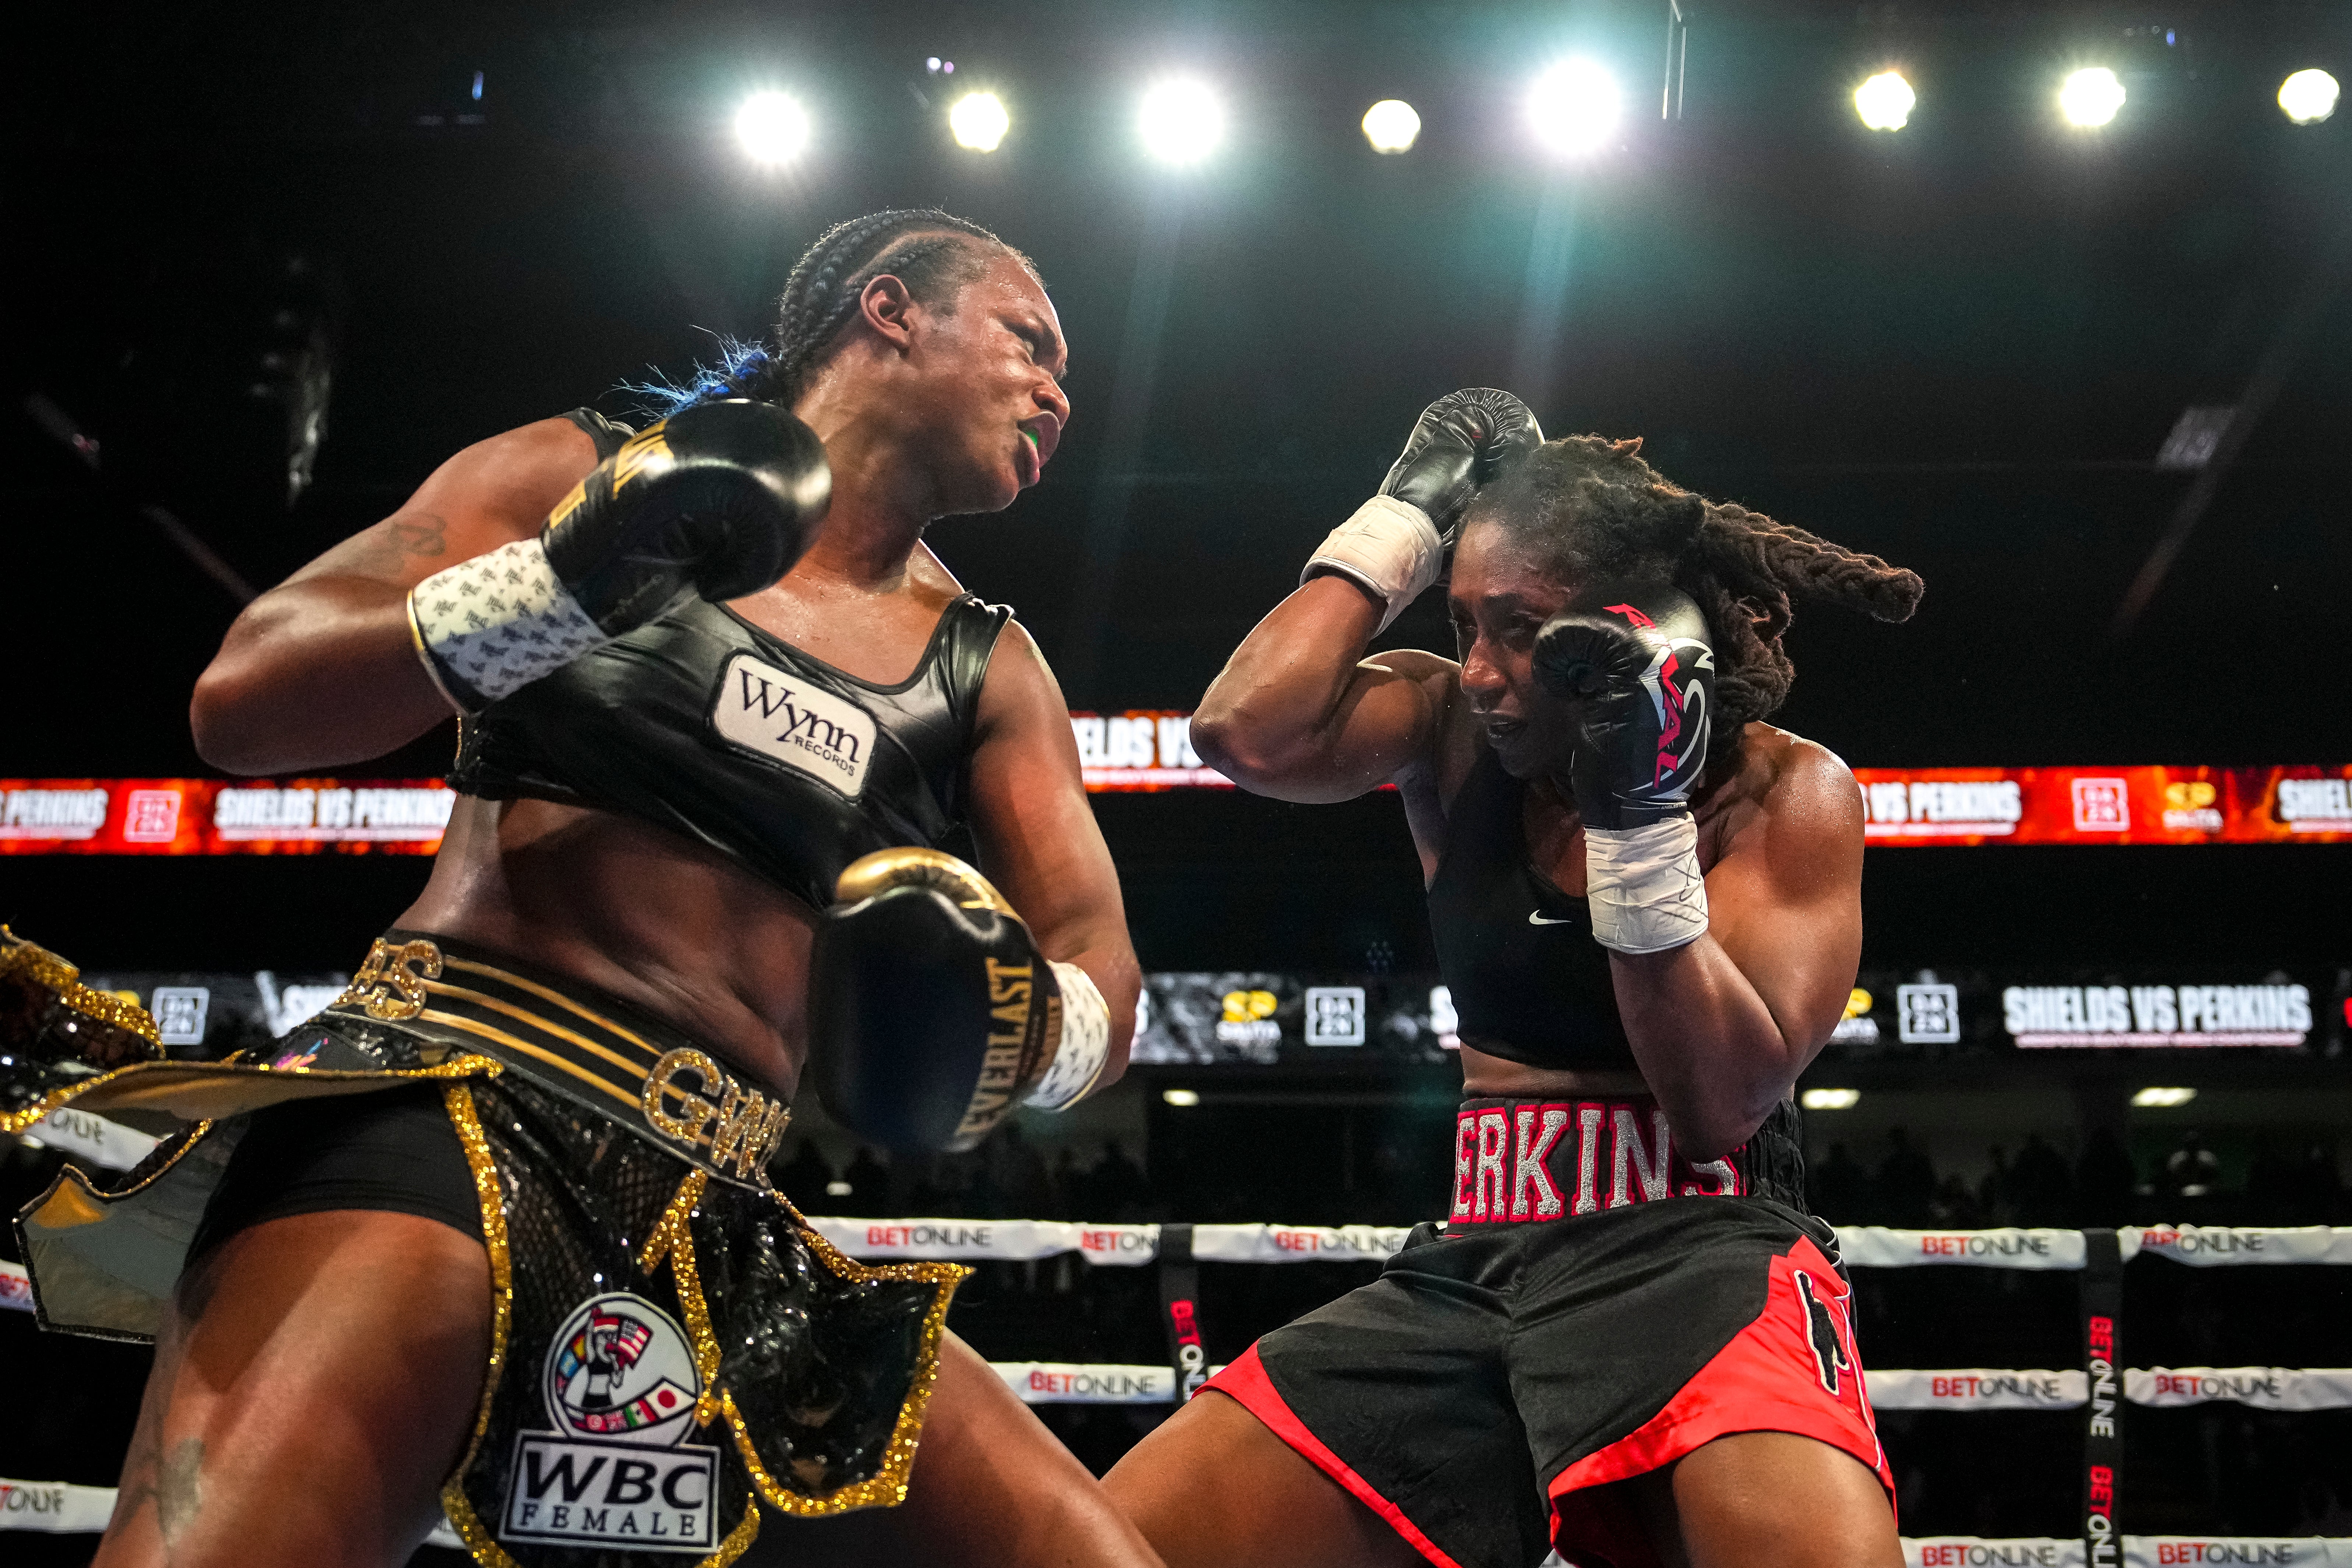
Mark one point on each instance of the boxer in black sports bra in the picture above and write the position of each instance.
(496, 1236)
(1627, 1341)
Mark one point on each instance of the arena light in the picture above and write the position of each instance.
(1392, 126)
(1831, 1099)
(772, 126)
(1181, 120)
(2154, 1097)
(1574, 107)
(1885, 101)
(2308, 96)
(979, 122)
(2089, 98)
(1182, 1099)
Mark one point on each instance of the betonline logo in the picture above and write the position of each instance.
(2169, 1551)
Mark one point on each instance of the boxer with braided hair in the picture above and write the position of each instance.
(493, 1236)
(1627, 1341)
(933, 254)
(1587, 506)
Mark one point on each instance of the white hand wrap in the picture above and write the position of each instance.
(1389, 547)
(498, 622)
(1085, 1045)
(1643, 886)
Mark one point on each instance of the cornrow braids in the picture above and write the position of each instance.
(1588, 506)
(934, 253)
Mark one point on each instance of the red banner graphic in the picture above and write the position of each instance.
(1150, 750)
(1141, 749)
(219, 817)
(2106, 806)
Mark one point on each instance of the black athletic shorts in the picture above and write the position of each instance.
(394, 1150)
(1502, 1367)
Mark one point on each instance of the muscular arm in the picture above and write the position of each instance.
(1299, 713)
(1722, 1026)
(320, 670)
(1038, 839)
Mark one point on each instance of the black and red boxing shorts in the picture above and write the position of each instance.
(1596, 1308)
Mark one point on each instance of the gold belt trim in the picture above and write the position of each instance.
(729, 1128)
(550, 993)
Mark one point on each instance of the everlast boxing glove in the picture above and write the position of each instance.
(931, 1012)
(1634, 665)
(718, 501)
(1395, 544)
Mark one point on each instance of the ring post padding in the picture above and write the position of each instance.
(1179, 1310)
(2100, 1292)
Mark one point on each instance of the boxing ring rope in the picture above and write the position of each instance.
(2097, 1386)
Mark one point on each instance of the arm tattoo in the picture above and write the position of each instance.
(175, 1487)
(384, 547)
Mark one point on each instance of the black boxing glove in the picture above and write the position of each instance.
(1395, 544)
(1635, 666)
(932, 1013)
(718, 501)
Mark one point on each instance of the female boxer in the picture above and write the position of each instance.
(534, 1275)
(1629, 1341)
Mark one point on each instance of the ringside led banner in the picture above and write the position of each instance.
(1269, 1018)
(218, 816)
(2106, 806)
(1150, 749)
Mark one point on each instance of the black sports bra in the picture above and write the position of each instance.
(703, 723)
(1528, 982)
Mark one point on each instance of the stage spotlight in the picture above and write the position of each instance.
(1574, 107)
(1392, 126)
(1885, 101)
(772, 126)
(1831, 1099)
(2091, 97)
(1181, 1097)
(2308, 95)
(2163, 1097)
(1180, 121)
(979, 122)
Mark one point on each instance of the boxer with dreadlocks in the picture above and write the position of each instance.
(1627, 1341)
(494, 1235)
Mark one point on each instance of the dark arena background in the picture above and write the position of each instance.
(2084, 1130)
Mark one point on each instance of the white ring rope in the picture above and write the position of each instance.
(60, 1509)
(1862, 1246)
(63, 1508)
(111, 1144)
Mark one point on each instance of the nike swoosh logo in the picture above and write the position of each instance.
(1535, 918)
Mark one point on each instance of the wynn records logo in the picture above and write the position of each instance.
(785, 718)
(619, 1384)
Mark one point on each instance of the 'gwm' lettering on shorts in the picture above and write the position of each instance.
(1527, 1160)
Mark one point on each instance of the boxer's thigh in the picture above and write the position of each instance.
(1214, 1487)
(315, 1382)
(1769, 1500)
(991, 1486)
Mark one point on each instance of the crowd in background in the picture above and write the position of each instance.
(1006, 1178)
(2285, 1183)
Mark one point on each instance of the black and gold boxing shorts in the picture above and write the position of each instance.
(673, 1349)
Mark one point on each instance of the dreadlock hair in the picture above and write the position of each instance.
(934, 253)
(1587, 506)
